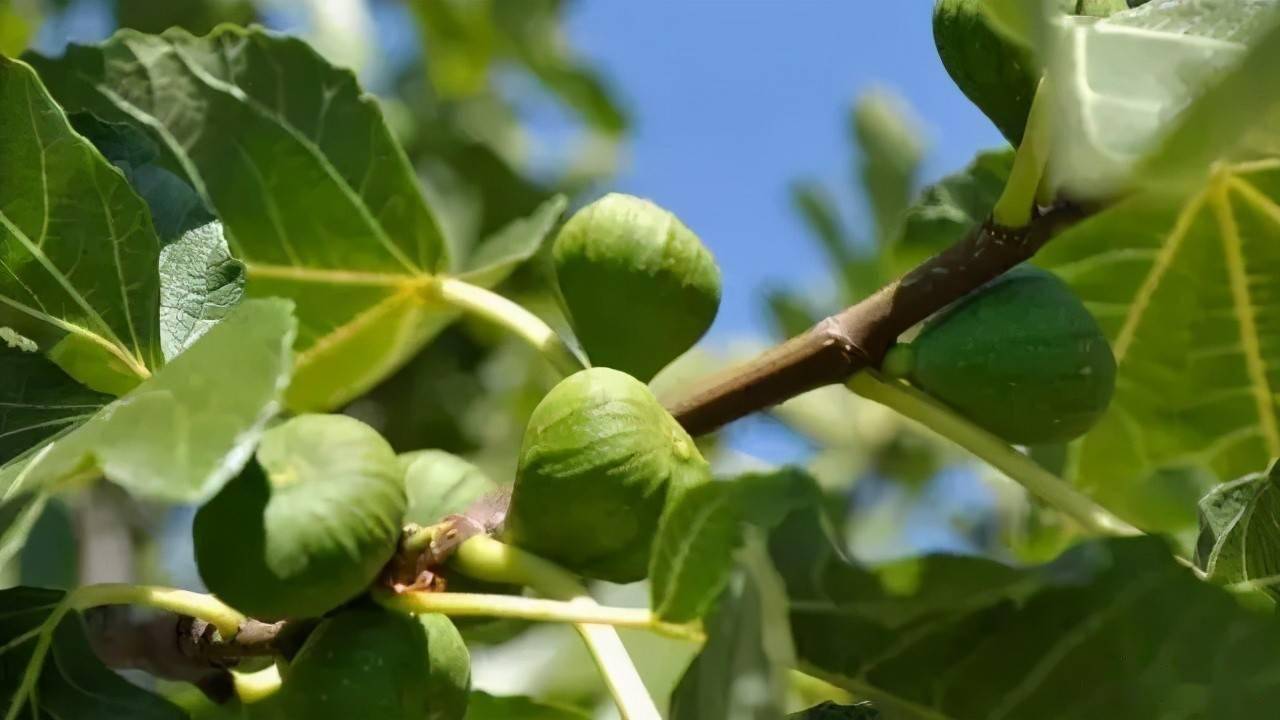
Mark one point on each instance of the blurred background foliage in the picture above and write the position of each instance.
(456, 79)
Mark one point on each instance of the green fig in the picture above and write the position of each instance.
(639, 287)
(1021, 356)
(600, 460)
(309, 525)
(368, 662)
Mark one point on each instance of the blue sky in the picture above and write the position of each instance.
(733, 99)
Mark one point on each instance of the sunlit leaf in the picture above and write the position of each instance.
(317, 197)
(90, 305)
(1240, 530)
(182, 434)
(741, 673)
(1183, 288)
(48, 670)
(1118, 81)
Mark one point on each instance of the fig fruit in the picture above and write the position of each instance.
(306, 527)
(600, 460)
(374, 663)
(639, 287)
(1021, 356)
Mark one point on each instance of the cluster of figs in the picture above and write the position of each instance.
(309, 526)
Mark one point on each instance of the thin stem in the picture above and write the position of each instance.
(1039, 482)
(498, 309)
(536, 609)
(252, 687)
(183, 602)
(1014, 208)
(484, 558)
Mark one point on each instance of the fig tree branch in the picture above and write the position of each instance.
(856, 338)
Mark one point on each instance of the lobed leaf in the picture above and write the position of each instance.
(78, 251)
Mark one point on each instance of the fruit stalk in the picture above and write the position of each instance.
(484, 558)
(913, 404)
(856, 338)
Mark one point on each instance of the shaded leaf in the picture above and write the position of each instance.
(90, 305)
(438, 483)
(1240, 530)
(483, 706)
(48, 670)
(948, 209)
(182, 434)
(1113, 629)
(317, 198)
(891, 153)
(1119, 81)
(50, 556)
(1182, 288)
(699, 533)
(37, 400)
(741, 672)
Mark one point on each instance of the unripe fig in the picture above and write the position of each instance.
(639, 287)
(600, 459)
(306, 527)
(368, 662)
(1021, 357)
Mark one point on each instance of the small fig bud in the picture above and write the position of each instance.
(639, 287)
(600, 460)
(375, 663)
(306, 527)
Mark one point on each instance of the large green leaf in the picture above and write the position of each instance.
(1114, 629)
(317, 197)
(78, 252)
(38, 399)
(741, 673)
(1182, 286)
(182, 434)
(699, 533)
(1240, 530)
(48, 669)
(1118, 81)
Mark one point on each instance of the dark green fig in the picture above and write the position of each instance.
(309, 525)
(639, 287)
(996, 74)
(601, 458)
(1021, 357)
(368, 662)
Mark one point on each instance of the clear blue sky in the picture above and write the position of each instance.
(733, 99)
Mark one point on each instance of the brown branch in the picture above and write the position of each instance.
(858, 337)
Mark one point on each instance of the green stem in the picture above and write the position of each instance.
(484, 558)
(536, 609)
(918, 406)
(252, 687)
(183, 602)
(498, 309)
(1013, 209)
